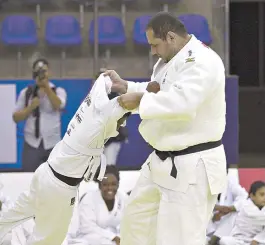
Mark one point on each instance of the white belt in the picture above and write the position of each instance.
(98, 161)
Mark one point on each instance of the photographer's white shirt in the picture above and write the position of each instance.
(50, 119)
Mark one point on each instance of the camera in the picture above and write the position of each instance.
(39, 70)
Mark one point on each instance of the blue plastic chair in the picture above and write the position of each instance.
(198, 26)
(63, 31)
(139, 36)
(139, 28)
(110, 31)
(19, 31)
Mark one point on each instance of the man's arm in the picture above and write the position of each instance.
(239, 193)
(21, 112)
(58, 99)
(193, 86)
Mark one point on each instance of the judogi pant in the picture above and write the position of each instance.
(234, 241)
(155, 215)
(50, 201)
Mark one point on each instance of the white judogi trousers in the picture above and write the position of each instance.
(50, 201)
(158, 216)
(233, 241)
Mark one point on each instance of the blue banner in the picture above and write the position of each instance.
(135, 152)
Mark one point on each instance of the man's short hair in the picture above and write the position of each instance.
(164, 22)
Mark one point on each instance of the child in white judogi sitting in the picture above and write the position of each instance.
(99, 213)
(249, 227)
(226, 210)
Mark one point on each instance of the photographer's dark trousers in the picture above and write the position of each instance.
(32, 157)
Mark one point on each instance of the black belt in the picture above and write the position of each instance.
(67, 180)
(163, 155)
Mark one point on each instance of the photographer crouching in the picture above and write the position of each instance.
(40, 105)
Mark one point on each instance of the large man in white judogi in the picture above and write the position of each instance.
(184, 122)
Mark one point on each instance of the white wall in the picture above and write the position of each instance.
(15, 183)
(8, 129)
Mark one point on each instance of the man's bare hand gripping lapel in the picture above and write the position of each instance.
(131, 101)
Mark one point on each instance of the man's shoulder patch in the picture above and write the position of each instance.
(190, 59)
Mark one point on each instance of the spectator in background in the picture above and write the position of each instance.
(99, 213)
(225, 211)
(249, 227)
(40, 106)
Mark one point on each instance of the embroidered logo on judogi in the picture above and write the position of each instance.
(88, 100)
(78, 117)
(190, 59)
(72, 201)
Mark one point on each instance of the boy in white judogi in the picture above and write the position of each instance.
(229, 205)
(54, 185)
(249, 228)
(99, 213)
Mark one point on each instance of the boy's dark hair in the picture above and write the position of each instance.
(164, 22)
(110, 169)
(255, 186)
(43, 60)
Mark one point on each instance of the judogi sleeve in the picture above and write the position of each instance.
(88, 219)
(99, 92)
(136, 87)
(239, 193)
(193, 85)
